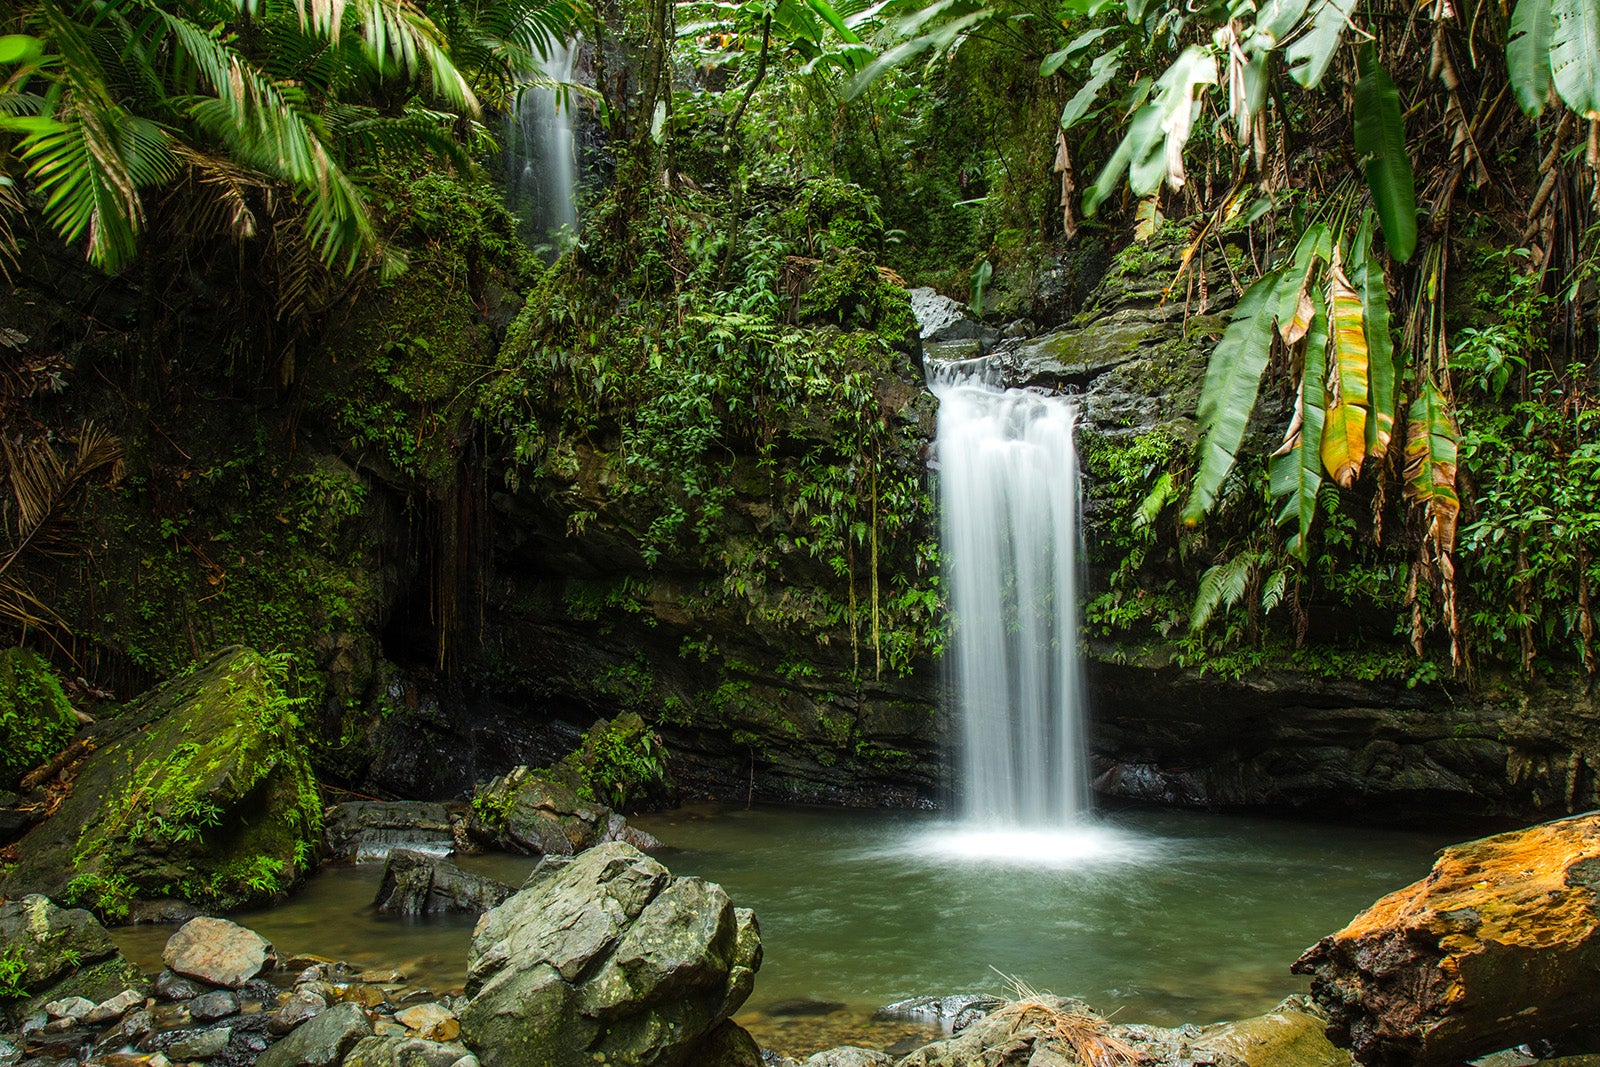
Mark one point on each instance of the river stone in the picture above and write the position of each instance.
(431, 1022)
(603, 958)
(200, 1046)
(215, 1005)
(1497, 946)
(321, 1042)
(172, 986)
(416, 883)
(848, 1056)
(47, 939)
(404, 1052)
(1284, 1037)
(217, 951)
(114, 1007)
(74, 1008)
(303, 1005)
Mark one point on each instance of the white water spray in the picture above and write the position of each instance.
(541, 153)
(1008, 485)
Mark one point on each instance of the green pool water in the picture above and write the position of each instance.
(1161, 917)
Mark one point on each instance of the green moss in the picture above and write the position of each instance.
(620, 763)
(839, 214)
(36, 721)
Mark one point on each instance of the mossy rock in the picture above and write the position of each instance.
(36, 721)
(201, 789)
(620, 763)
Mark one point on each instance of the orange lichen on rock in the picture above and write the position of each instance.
(1499, 944)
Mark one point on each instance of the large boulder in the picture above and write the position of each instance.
(416, 883)
(529, 812)
(217, 952)
(52, 954)
(607, 957)
(1497, 946)
(199, 789)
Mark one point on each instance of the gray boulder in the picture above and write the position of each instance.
(941, 319)
(47, 939)
(217, 951)
(606, 958)
(321, 1042)
(848, 1056)
(416, 883)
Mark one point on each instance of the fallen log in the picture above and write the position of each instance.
(1497, 946)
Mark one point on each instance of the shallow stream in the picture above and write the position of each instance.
(1161, 917)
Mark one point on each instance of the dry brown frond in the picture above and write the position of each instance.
(1085, 1036)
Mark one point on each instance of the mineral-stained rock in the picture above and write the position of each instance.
(202, 784)
(217, 951)
(416, 883)
(1498, 945)
(607, 957)
(431, 1022)
(321, 1042)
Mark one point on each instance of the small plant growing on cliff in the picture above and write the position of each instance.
(12, 970)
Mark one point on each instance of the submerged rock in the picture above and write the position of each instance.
(416, 883)
(201, 788)
(1498, 945)
(606, 958)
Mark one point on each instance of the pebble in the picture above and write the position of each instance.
(361, 994)
(431, 1022)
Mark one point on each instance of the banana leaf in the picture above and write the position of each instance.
(1382, 369)
(1233, 378)
(1528, 54)
(1575, 55)
(1381, 140)
(1344, 435)
(1295, 471)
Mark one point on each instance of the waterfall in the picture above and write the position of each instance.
(540, 153)
(1008, 488)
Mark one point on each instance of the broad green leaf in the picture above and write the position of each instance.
(1381, 141)
(831, 17)
(1575, 55)
(1528, 53)
(1055, 60)
(1233, 378)
(1105, 67)
(1143, 136)
(1369, 280)
(1275, 19)
(1314, 48)
(1176, 104)
(19, 48)
(1344, 434)
(1295, 470)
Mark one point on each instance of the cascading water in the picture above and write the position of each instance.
(541, 155)
(1008, 486)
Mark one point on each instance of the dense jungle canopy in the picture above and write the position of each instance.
(1381, 222)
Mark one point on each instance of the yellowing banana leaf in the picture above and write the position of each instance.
(1382, 369)
(1233, 378)
(1294, 306)
(1295, 471)
(1432, 441)
(1344, 436)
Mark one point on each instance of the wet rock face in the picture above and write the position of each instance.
(1497, 946)
(524, 811)
(606, 957)
(364, 831)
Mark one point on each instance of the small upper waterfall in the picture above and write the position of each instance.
(541, 154)
(1008, 488)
